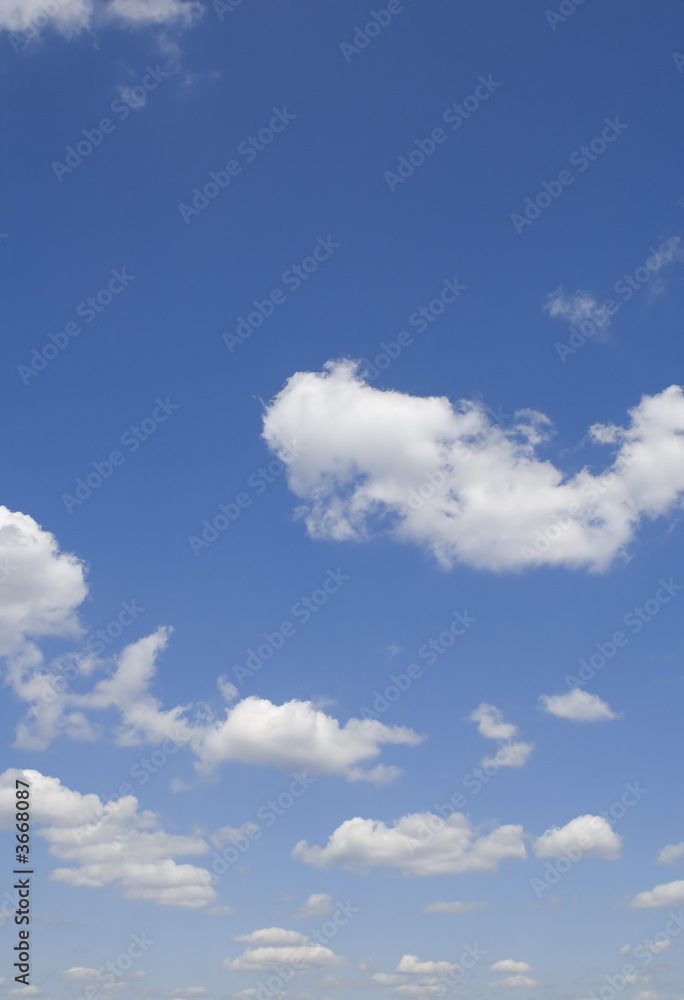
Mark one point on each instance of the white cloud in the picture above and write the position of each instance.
(578, 706)
(387, 979)
(575, 308)
(317, 905)
(454, 907)
(164, 12)
(646, 995)
(509, 965)
(625, 949)
(418, 844)
(590, 835)
(189, 991)
(419, 990)
(490, 723)
(72, 17)
(509, 755)
(40, 589)
(25, 991)
(79, 974)
(515, 982)
(294, 736)
(302, 957)
(670, 854)
(272, 936)
(658, 947)
(412, 965)
(112, 842)
(364, 455)
(666, 894)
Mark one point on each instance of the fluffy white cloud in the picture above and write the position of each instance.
(515, 982)
(509, 755)
(40, 587)
(670, 854)
(418, 844)
(490, 723)
(578, 706)
(294, 736)
(590, 835)
(301, 957)
(317, 905)
(667, 894)
(454, 907)
(298, 735)
(509, 965)
(113, 842)
(69, 17)
(411, 965)
(468, 489)
(189, 991)
(272, 936)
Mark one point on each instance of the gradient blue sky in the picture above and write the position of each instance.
(323, 178)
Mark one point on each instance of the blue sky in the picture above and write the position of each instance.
(378, 561)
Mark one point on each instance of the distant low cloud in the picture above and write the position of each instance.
(303, 957)
(515, 982)
(509, 965)
(412, 965)
(578, 706)
(317, 905)
(454, 907)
